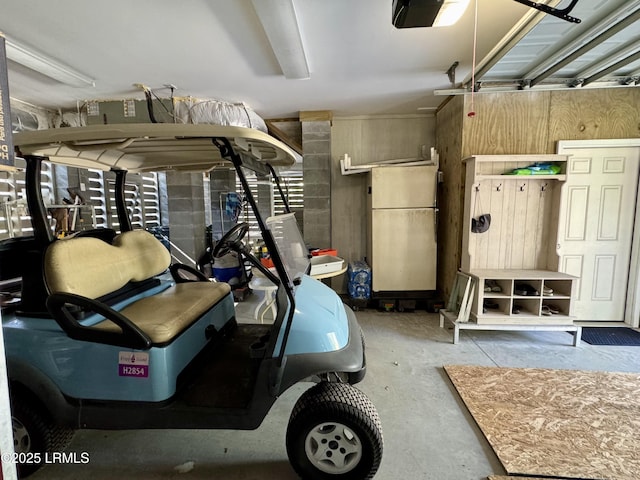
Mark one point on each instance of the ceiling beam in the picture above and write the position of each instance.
(40, 62)
(280, 23)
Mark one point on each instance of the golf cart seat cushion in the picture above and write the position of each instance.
(92, 268)
(165, 315)
(151, 257)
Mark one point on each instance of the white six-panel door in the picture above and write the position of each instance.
(596, 228)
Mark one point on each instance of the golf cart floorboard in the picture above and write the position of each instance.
(228, 372)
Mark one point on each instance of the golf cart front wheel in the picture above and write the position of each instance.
(34, 436)
(334, 433)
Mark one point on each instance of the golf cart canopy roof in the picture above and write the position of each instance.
(152, 146)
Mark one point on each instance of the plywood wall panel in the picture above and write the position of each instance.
(348, 199)
(450, 202)
(594, 114)
(379, 138)
(346, 137)
(392, 138)
(506, 123)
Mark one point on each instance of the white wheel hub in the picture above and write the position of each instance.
(333, 448)
(21, 438)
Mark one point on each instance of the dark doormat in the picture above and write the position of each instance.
(610, 336)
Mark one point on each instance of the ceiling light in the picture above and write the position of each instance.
(45, 65)
(427, 13)
(278, 18)
(450, 12)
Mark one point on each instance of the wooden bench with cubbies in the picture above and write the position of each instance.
(522, 297)
(515, 254)
(546, 306)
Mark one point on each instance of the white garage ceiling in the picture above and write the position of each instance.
(359, 63)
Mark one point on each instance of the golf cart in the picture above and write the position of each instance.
(104, 338)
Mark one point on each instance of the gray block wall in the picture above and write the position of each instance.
(222, 181)
(185, 193)
(316, 144)
(265, 197)
(75, 179)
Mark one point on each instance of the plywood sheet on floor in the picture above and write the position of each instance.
(501, 477)
(562, 423)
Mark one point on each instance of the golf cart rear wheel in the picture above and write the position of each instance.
(334, 433)
(34, 436)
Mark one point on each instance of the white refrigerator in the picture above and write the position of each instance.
(403, 219)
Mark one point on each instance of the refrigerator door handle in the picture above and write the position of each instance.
(435, 207)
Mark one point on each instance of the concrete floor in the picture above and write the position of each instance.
(428, 433)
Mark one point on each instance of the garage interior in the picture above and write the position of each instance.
(434, 117)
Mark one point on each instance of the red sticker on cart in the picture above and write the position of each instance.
(133, 364)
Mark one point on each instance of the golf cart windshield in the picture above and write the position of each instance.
(290, 245)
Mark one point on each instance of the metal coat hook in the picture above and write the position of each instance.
(522, 187)
(498, 188)
(544, 187)
(477, 187)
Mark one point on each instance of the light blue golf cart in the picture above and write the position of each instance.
(106, 334)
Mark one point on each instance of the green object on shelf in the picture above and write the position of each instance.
(536, 169)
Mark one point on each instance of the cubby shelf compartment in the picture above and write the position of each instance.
(530, 316)
(514, 307)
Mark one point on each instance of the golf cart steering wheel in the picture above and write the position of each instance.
(232, 240)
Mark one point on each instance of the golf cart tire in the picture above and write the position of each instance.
(35, 436)
(343, 418)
